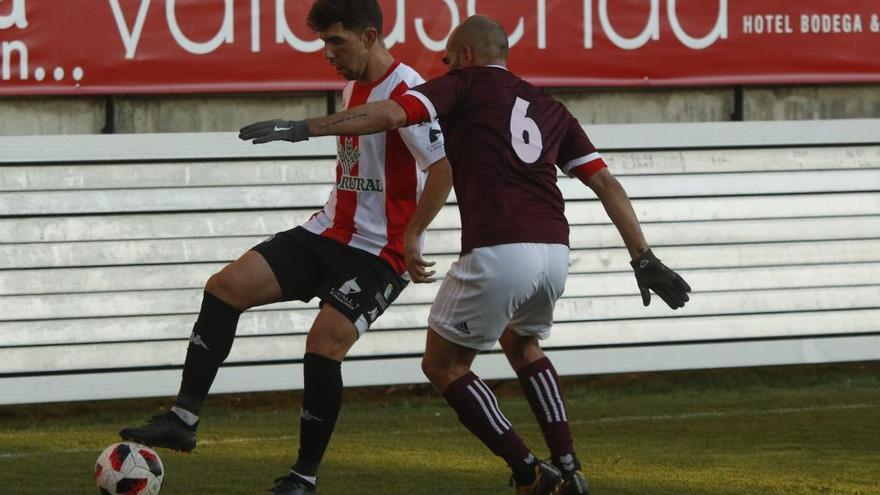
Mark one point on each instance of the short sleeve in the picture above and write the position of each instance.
(577, 151)
(425, 142)
(440, 95)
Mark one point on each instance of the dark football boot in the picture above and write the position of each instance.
(574, 483)
(293, 484)
(164, 430)
(548, 479)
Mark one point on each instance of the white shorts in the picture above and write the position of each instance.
(491, 288)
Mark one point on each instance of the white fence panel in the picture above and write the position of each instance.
(106, 242)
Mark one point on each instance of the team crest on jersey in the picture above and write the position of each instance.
(349, 156)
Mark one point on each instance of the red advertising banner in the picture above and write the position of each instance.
(191, 46)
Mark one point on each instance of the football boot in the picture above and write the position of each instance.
(293, 484)
(548, 479)
(574, 483)
(163, 430)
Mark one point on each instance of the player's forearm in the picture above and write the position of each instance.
(619, 208)
(365, 119)
(437, 187)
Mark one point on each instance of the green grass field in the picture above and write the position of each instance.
(785, 430)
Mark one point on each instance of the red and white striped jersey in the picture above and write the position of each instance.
(379, 177)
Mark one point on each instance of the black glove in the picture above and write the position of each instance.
(275, 130)
(654, 275)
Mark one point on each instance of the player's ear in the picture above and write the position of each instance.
(467, 55)
(369, 37)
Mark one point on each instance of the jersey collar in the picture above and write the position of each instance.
(381, 79)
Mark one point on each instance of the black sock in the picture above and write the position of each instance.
(209, 345)
(322, 398)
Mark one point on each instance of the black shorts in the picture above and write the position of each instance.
(358, 284)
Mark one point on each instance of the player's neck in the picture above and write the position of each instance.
(495, 62)
(380, 62)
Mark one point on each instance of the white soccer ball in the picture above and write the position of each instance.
(129, 468)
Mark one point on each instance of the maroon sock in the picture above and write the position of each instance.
(540, 383)
(478, 411)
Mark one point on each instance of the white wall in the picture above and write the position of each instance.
(108, 240)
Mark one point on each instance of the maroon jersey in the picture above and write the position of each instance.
(504, 139)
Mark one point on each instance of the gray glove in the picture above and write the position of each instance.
(275, 130)
(652, 274)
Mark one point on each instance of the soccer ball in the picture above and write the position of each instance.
(129, 468)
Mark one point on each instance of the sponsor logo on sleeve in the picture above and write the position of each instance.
(435, 136)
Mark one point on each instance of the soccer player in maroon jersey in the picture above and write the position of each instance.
(504, 139)
(349, 254)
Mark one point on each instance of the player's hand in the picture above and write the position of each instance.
(275, 130)
(652, 274)
(415, 264)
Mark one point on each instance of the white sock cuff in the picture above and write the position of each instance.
(311, 479)
(186, 416)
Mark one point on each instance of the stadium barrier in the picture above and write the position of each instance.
(107, 240)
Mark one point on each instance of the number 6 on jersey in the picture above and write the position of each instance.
(524, 133)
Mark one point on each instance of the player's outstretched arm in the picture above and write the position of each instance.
(371, 118)
(651, 273)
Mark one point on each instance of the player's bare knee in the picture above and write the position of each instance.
(520, 350)
(331, 344)
(214, 283)
(223, 286)
(441, 373)
(429, 368)
(334, 353)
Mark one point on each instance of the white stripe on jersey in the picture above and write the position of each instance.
(432, 112)
(577, 162)
(369, 183)
(329, 211)
(371, 218)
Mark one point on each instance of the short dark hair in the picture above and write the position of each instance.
(355, 15)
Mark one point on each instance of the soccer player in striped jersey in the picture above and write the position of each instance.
(505, 140)
(350, 254)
